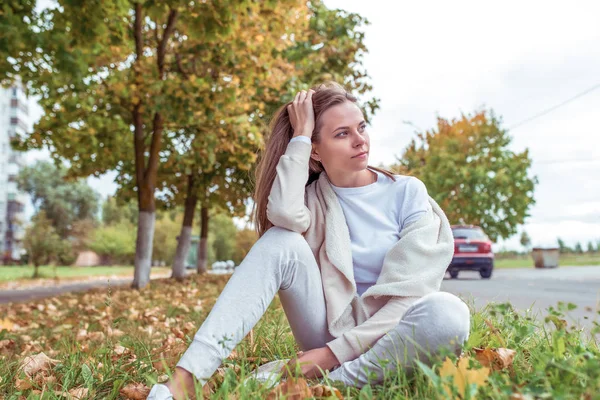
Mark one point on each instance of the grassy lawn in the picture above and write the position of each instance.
(105, 342)
(11, 273)
(565, 260)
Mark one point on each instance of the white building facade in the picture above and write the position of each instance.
(14, 119)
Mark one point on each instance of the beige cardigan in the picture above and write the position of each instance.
(412, 268)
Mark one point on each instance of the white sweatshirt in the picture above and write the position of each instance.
(375, 215)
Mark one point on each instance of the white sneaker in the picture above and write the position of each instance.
(160, 392)
(269, 373)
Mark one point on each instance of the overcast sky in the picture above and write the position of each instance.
(430, 58)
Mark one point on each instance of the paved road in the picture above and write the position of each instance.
(535, 289)
(22, 295)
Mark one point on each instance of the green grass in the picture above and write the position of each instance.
(11, 273)
(565, 260)
(158, 323)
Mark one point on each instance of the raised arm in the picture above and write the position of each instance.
(285, 206)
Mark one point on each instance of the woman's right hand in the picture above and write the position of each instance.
(302, 114)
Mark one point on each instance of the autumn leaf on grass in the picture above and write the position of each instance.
(497, 359)
(5, 323)
(326, 391)
(37, 369)
(7, 346)
(168, 353)
(31, 365)
(135, 391)
(464, 379)
(291, 389)
(74, 394)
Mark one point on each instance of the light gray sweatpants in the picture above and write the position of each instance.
(282, 262)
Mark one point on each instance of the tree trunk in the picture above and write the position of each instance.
(146, 160)
(183, 243)
(36, 271)
(143, 249)
(203, 243)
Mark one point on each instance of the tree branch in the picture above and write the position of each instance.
(157, 130)
(138, 137)
(180, 66)
(163, 42)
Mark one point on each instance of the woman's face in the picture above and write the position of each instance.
(343, 136)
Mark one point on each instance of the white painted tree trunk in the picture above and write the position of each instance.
(143, 249)
(202, 255)
(183, 248)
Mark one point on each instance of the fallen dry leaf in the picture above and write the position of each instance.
(81, 334)
(74, 394)
(291, 389)
(168, 354)
(23, 384)
(257, 360)
(6, 324)
(135, 391)
(326, 391)
(497, 359)
(7, 346)
(99, 336)
(178, 333)
(114, 332)
(36, 363)
(233, 355)
(78, 393)
(189, 327)
(461, 376)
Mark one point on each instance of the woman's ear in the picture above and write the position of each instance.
(314, 155)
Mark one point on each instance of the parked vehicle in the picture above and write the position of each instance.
(472, 251)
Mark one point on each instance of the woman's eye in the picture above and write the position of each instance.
(340, 133)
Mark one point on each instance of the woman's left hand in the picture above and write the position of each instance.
(312, 363)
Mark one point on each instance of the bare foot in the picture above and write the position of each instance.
(181, 384)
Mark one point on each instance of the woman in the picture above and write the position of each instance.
(356, 253)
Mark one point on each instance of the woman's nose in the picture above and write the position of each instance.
(360, 139)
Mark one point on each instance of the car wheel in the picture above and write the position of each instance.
(453, 273)
(486, 273)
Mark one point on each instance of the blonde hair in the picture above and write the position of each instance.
(326, 95)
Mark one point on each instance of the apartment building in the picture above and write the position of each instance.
(14, 119)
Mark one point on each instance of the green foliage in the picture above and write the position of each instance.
(244, 240)
(525, 240)
(333, 49)
(472, 173)
(63, 201)
(115, 243)
(17, 38)
(65, 253)
(115, 211)
(224, 231)
(41, 241)
(563, 248)
(195, 80)
(166, 230)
